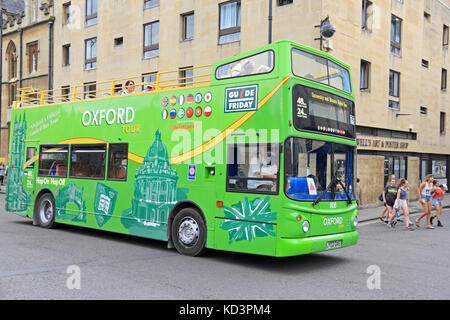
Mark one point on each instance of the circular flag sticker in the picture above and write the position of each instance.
(172, 114)
(173, 101)
(165, 114)
(165, 102)
(198, 111)
(208, 97)
(189, 112)
(208, 111)
(181, 100)
(181, 113)
(198, 98)
(190, 99)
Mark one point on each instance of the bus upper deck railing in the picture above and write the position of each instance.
(160, 81)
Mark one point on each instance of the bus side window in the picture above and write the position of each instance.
(31, 151)
(53, 160)
(256, 64)
(88, 161)
(253, 168)
(118, 161)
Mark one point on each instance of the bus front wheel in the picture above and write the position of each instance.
(46, 211)
(189, 232)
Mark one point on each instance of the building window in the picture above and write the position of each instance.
(11, 55)
(34, 10)
(427, 16)
(151, 40)
(91, 54)
(32, 52)
(442, 123)
(66, 12)
(187, 21)
(394, 89)
(88, 161)
(365, 74)
(445, 34)
(66, 55)
(150, 4)
(65, 93)
(148, 78)
(444, 79)
(118, 41)
(12, 93)
(395, 165)
(186, 75)
(90, 90)
(425, 63)
(396, 31)
(91, 12)
(366, 14)
(284, 2)
(423, 110)
(394, 83)
(230, 22)
(439, 169)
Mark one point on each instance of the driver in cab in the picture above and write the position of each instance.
(262, 167)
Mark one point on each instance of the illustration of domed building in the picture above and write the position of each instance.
(155, 186)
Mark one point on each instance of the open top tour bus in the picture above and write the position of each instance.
(253, 154)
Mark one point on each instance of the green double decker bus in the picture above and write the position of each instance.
(254, 154)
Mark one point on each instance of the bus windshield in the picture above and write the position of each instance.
(319, 69)
(312, 165)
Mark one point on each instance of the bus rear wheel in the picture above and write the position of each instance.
(45, 211)
(189, 232)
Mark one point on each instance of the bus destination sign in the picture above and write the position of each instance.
(317, 110)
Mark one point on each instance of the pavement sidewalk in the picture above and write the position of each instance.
(373, 211)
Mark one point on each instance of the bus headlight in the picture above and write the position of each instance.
(355, 222)
(305, 226)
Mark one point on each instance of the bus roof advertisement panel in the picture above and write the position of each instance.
(320, 111)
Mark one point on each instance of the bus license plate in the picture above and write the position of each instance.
(334, 244)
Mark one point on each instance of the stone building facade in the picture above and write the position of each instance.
(26, 32)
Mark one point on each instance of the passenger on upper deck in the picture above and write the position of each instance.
(129, 87)
(248, 68)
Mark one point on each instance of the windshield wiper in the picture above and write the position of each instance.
(349, 200)
(332, 184)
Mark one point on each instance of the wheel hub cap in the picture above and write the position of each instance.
(188, 232)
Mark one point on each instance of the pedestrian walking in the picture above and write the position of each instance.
(424, 191)
(358, 192)
(385, 209)
(389, 197)
(403, 201)
(438, 196)
(2, 173)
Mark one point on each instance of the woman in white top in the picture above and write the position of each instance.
(403, 200)
(424, 191)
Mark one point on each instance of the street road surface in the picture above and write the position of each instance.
(36, 263)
